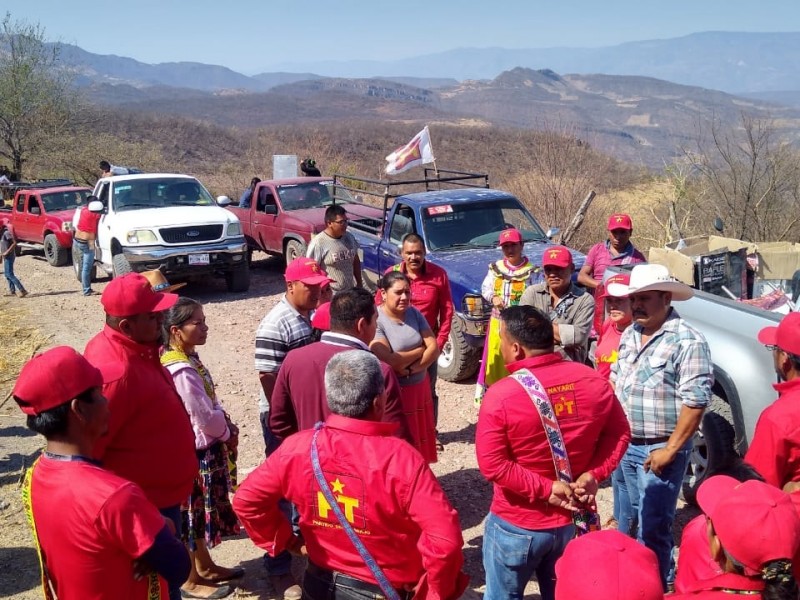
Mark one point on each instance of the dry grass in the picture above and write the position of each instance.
(19, 343)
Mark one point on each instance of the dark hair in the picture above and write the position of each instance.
(333, 211)
(412, 238)
(309, 168)
(390, 278)
(794, 360)
(177, 315)
(779, 581)
(349, 306)
(53, 422)
(105, 165)
(254, 181)
(528, 326)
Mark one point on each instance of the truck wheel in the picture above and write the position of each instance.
(238, 279)
(55, 254)
(713, 450)
(120, 265)
(77, 264)
(458, 359)
(294, 249)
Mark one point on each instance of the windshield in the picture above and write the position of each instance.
(55, 201)
(161, 192)
(477, 224)
(314, 194)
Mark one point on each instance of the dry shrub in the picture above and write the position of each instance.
(19, 343)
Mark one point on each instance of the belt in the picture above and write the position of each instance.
(337, 578)
(645, 441)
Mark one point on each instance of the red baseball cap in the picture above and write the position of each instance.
(557, 256)
(620, 221)
(620, 279)
(306, 270)
(785, 336)
(57, 376)
(510, 236)
(755, 521)
(608, 565)
(322, 317)
(132, 294)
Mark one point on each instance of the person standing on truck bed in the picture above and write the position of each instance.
(8, 246)
(775, 448)
(503, 286)
(663, 378)
(570, 307)
(85, 225)
(430, 295)
(336, 250)
(247, 196)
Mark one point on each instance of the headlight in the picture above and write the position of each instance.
(234, 229)
(141, 236)
(475, 306)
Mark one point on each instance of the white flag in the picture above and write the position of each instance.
(416, 152)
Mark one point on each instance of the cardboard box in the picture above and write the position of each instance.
(778, 260)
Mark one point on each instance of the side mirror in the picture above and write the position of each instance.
(553, 232)
(271, 209)
(224, 201)
(719, 225)
(96, 206)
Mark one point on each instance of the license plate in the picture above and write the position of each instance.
(198, 259)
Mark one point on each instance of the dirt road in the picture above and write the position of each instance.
(56, 307)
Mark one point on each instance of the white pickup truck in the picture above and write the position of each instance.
(168, 222)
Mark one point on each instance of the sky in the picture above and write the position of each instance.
(252, 36)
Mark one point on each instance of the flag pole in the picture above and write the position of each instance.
(435, 168)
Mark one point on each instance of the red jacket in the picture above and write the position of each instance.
(150, 439)
(430, 295)
(513, 452)
(298, 401)
(713, 589)
(386, 491)
(775, 449)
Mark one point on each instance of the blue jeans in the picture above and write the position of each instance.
(282, 563)
(8, 270)
(433, 373)
(620, 491)
(87, 263)
(653, 501)
(511, 555)
(173, 513)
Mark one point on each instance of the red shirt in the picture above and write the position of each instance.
(430, 295)
(150, 440)
(714, 588)
(605, 354)
(91, 525)
(298, 401)
(695, 564)
(386, 491)
(512, 448)
(88, 220)
(775, 449)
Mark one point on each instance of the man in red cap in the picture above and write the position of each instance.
(570, 307)
(96, 533)
(617, 250)
(150, 439)
(286, 327)
(753, 531)
(775, 448)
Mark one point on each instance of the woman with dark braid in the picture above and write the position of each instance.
(753, 533)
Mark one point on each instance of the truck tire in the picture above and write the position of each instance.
(120, 265)
(77, 264)
(713, 449)
(238, 279)
(458, 359)
(294, 249)
(55, 254)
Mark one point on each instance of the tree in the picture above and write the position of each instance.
(37, 101)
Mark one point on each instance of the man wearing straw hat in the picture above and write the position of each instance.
(663, 378)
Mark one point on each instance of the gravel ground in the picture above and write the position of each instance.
(56, 307)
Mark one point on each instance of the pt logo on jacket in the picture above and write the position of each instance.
(349, 494)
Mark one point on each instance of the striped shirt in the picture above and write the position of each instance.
(335, 256)
(281, 330)
(653, 382)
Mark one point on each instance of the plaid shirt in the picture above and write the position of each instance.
(653, 382)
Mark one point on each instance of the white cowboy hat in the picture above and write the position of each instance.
(649, 277)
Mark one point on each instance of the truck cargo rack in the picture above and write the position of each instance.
(8, 190)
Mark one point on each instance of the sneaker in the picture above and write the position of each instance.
(23, 293)
(91, 293)
(286, 587)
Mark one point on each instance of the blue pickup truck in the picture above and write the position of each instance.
(460, 227)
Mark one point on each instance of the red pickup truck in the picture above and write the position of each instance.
(42, 219)
(284, 214)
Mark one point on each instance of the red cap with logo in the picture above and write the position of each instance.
(756, 522)
(510, 236)
(785, 336)
(608, 565)
(557, 256)
(617, 278)
(620, 221)
(307, 271)
(132, 294)
(56, 376)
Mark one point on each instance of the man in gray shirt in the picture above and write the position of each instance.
(336, 251)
